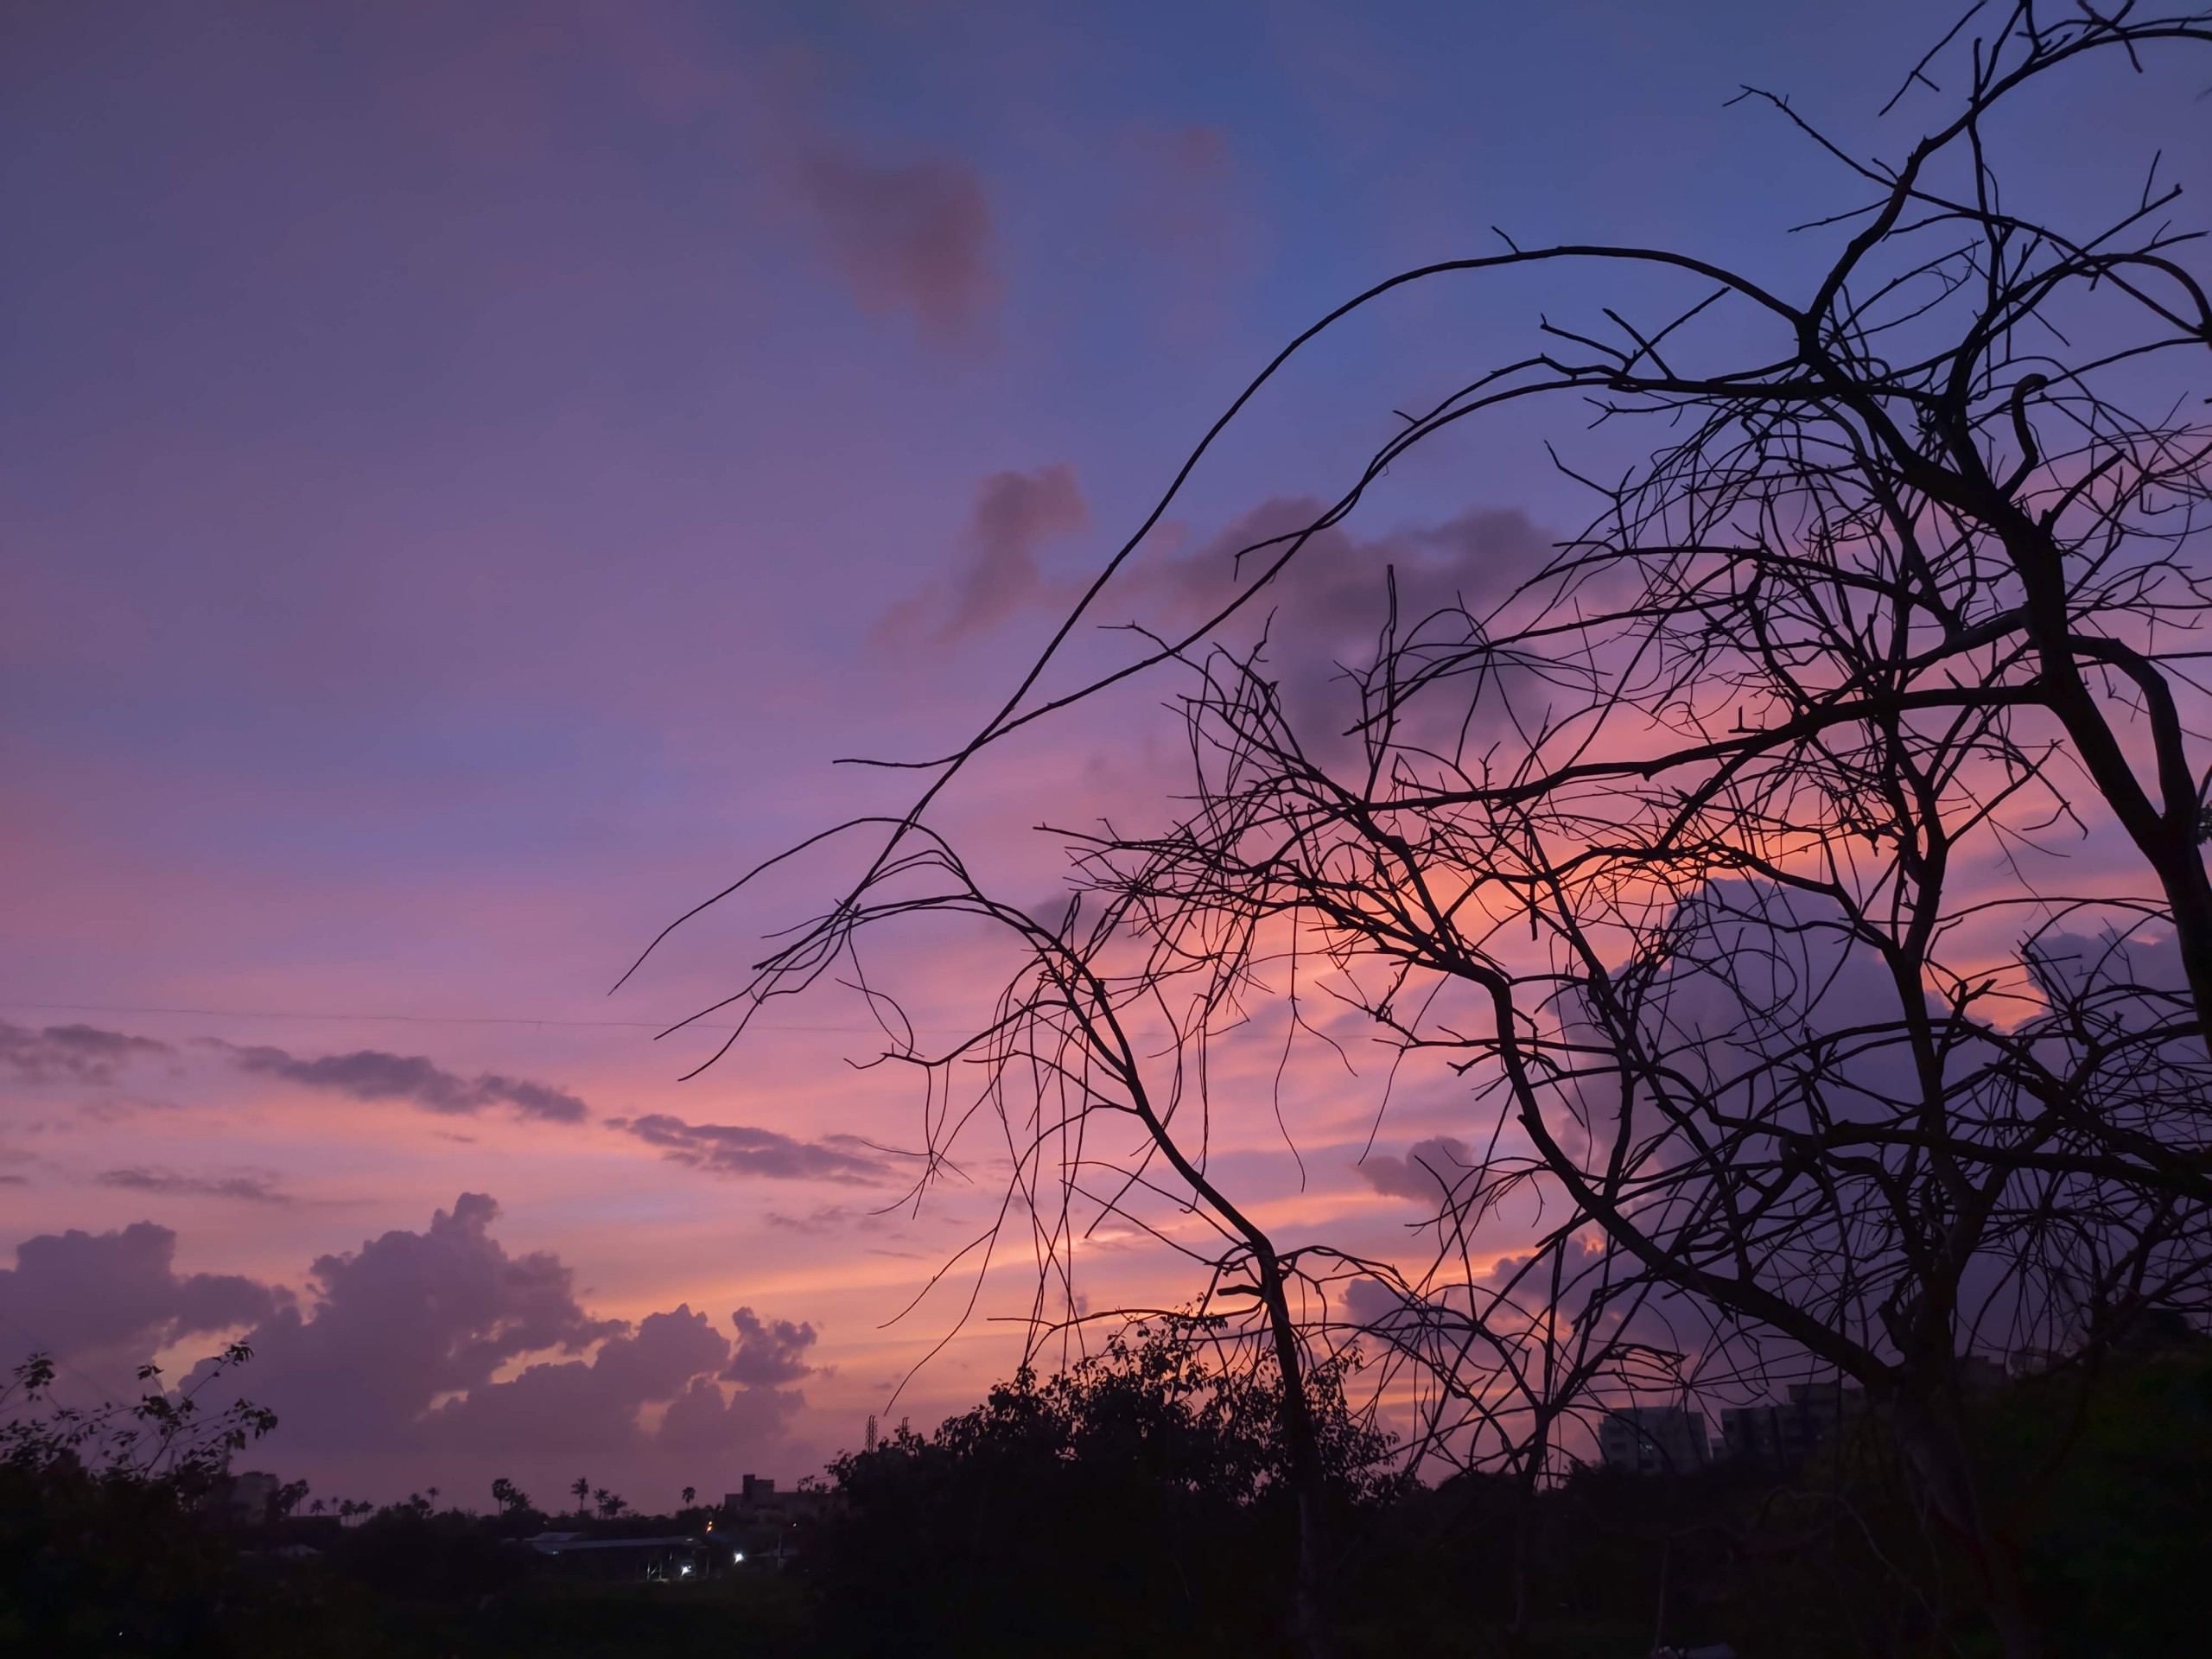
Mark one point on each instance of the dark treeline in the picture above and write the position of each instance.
(1137, 1505)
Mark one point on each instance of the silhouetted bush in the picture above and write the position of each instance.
(1135, 1504)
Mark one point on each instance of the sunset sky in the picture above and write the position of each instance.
(466, 474)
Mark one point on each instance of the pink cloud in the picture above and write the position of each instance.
(71, 1054)
(915, 237)
(1015, 514)
(1427, 1174)
(107, 1302)
(399, 1373)
(371, 1074)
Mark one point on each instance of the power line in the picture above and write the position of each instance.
(397, 1019)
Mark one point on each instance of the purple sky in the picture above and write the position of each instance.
(466, 471)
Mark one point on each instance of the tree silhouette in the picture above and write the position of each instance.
(1724, 857)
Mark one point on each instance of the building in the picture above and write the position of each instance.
(672, 1560)
(1979, 1374)
(1653, 1439)
(759, 1502)
(1782, 1435)
(758, 1490)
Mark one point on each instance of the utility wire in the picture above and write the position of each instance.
(389, 1019)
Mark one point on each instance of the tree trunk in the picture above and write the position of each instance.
(1310, 1633)
(1524, 1525)
(1934, 1447)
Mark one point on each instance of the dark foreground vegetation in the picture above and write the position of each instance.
(1136, 1505)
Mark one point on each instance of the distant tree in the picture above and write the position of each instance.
(609, 1504)
(689, 1493)
(510, 1497)
(582, 1488)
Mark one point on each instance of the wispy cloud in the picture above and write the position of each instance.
(71, 1054)
(741, 1149)
(371, 1074)
(247, 1188)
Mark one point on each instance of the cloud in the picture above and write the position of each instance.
(739, 1149)
(1374, 1305)
(767, 1353)
(829, 1218)
(1427, 1171)
(1180, 179)
(400, 1354)
(1325, 612)
(915, 237)
(1322, 614)
(71, 1054)
(585, 1408)
(248, 1188)
(596, 1408)
(370, 1074)
(1014, 515)
(111, 1301)
(406, 1318)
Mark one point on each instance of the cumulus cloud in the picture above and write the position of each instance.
(768, 1351)
(250, 1188)
(580, 1407)
(73, 1054)
(406, 1318)
(438, 1356)
(915, 236)
(1427, 1173)
(741, 1149)
(1374, 1305)
(109, 1301)
(370, 1074)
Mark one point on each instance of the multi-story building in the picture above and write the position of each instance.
(1782, 1435)
(1653, 1439)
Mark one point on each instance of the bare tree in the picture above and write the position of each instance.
(1722, 858)
(1720, 855)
